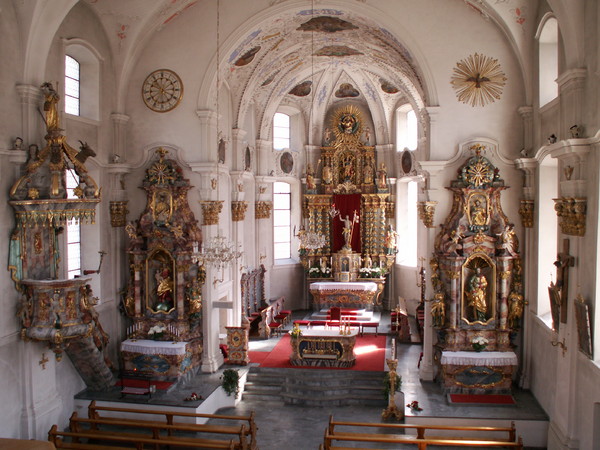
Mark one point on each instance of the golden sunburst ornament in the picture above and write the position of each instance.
(478, 80)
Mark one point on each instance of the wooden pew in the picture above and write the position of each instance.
(421, 444)
(125, 441)
(155, 429)
(249, 431)
(332, 434)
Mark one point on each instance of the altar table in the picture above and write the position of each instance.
(348, 295)
(324, 348)
(159, 360)
(478, 372)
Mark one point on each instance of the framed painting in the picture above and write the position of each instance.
(554, 293)
(584, 332)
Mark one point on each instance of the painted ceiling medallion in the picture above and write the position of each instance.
(337, 50)
(247, 57)
(346, 90)
(326, 24)
(478, 80)
(302, 89)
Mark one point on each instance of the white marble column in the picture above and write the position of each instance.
(571, 86)
(264, 230)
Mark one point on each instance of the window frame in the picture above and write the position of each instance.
(276, 227)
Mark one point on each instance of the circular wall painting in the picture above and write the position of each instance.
(286, 162)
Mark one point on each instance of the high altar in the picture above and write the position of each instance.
(350, 208)
(477, 279)
(163, 297)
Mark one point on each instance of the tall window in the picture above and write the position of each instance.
(282, 219)
(73, 232)
(407, 223)
(548, 61)
(407, 135)
(281, 131)
(72, 86)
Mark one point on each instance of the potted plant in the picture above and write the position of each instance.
(296, 332)
(479, 343)
(156, 332)
(230, 382)
(386, 384)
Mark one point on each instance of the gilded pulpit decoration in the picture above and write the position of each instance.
(427, 212)
(211, 211)
(478, 80)
(163, 295)
(571, 213)
(526, 211)
(57, 311)
(238, 210)
(118, 213)
(263, 209)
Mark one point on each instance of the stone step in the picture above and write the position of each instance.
(262, 387)
(262, 396)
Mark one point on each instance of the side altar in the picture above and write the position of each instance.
(324, 348)
(477, 278)
(158, 360)
(346, 234)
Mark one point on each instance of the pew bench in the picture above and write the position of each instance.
(94, 412)
(129, 440)
(155, 428)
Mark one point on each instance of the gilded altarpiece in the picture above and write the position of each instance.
(349, 207)
(477, 279)
(163, 297)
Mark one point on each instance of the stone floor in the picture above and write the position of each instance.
(299, 428)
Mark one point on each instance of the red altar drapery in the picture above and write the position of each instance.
(346, 204)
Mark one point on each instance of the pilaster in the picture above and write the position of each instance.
(207, 136)
(119, 137)
(572, 100)
(31, 97)
(238, 143)
(526, 113)
(264, 155)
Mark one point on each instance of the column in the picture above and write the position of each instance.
(264, 156)
(264, 227)
(31, 97)
(526, 113)
(207, 136)
(427, 213)
(119, 137)
(238, 148)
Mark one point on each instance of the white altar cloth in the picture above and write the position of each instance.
(339, 286)
(479, 358)
(150, 347)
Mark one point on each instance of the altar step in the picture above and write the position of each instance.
(315, 387)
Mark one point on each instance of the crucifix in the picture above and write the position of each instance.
(43, 361)
(562, 264)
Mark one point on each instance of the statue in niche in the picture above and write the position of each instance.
(348, 169)
(368, 179)
(164, 289)
(327, 175)
(478, 215)
(162, 207)
(477, 295)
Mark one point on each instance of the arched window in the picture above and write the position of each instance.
(82, 80)
(548, 230)
(407, 222)
(407, 133)
(281, 131)
(282, 220)
(548, 61)
(73, 232)
(72, 88)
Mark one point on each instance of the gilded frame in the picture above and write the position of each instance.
(487, 268)
(584, 332)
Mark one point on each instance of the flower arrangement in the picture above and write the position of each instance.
(296, 332)
(316, 272)
(156, 332)
(371, 272)
(193, 398)
(414, 405)
(479, 343)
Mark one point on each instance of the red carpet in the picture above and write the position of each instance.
(484, 399)
(369, 350)
(132, 382)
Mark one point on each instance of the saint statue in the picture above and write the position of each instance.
(310, 178)
(51, 106)
(327, 175)
(164, 289)
(478, 214)
(382, 176)
(476, 294)
(368, 262)
(368, 174)
(507, 243)
(348, 229)
(390, 241)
